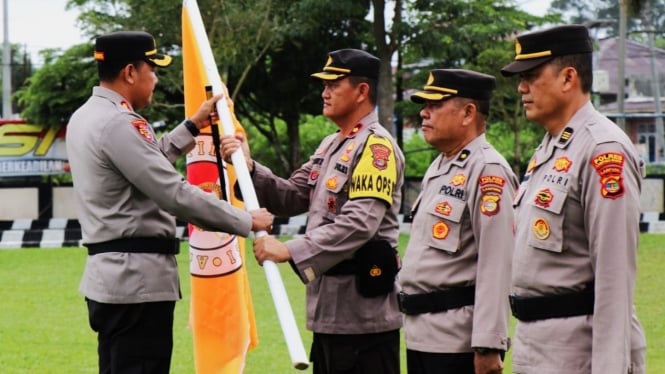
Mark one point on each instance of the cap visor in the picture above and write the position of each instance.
(422, 96)
(160, 60)
(327, 76)
(521, 66)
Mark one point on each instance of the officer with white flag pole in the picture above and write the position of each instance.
(284, 312)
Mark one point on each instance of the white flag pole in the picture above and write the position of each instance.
(287, 320)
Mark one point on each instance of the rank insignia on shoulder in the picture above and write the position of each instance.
(565, 135)
(144, 129)
(463, 155)
(356, 129)
(126, 105)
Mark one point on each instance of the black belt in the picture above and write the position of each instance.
(534, 308)
(136, 245)
(436, 301)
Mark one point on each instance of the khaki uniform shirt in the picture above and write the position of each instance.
(351, 191)
(125, 186)
(462, 236)
(577, 222)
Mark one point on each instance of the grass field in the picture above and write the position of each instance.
(44, 329)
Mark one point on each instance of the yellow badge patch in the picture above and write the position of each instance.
(490, 205)
(541, 229)
(562, 164)
(331, 183)
(440, 230)
(375, 175)
(458, 180)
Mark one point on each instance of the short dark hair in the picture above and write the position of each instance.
(372, 83)
(108, 72)
(482, 106)
(582, 62)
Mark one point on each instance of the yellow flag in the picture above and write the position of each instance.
(222, 314)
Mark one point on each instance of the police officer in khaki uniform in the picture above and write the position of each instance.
(577, 220)
(351, 191)
(456, 271)
(127, 194)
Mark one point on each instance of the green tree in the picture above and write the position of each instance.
(476, 35)
(58, 87)
(21, 69)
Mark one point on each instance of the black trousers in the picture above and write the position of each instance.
(439, 363)
(356, 354)
(133, 338)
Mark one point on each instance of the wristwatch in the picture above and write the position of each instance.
(483, 350)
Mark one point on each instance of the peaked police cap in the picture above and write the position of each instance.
(536, 48)
(349, 62)
(443, 83)
(124, 47)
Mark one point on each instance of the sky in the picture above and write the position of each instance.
(40, 24)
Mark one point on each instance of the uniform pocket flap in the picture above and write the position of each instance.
(549, 198)
(448, 209)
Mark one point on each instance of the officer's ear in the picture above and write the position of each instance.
(126, 73)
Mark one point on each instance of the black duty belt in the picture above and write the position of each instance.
(534, 308)
(136, 245)
(436, 301)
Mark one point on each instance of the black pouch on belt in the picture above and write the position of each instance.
(377, 264)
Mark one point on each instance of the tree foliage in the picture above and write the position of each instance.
(59, 87)
(21, 70)
(266, 50)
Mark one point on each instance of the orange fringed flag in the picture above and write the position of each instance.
(222, 314)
